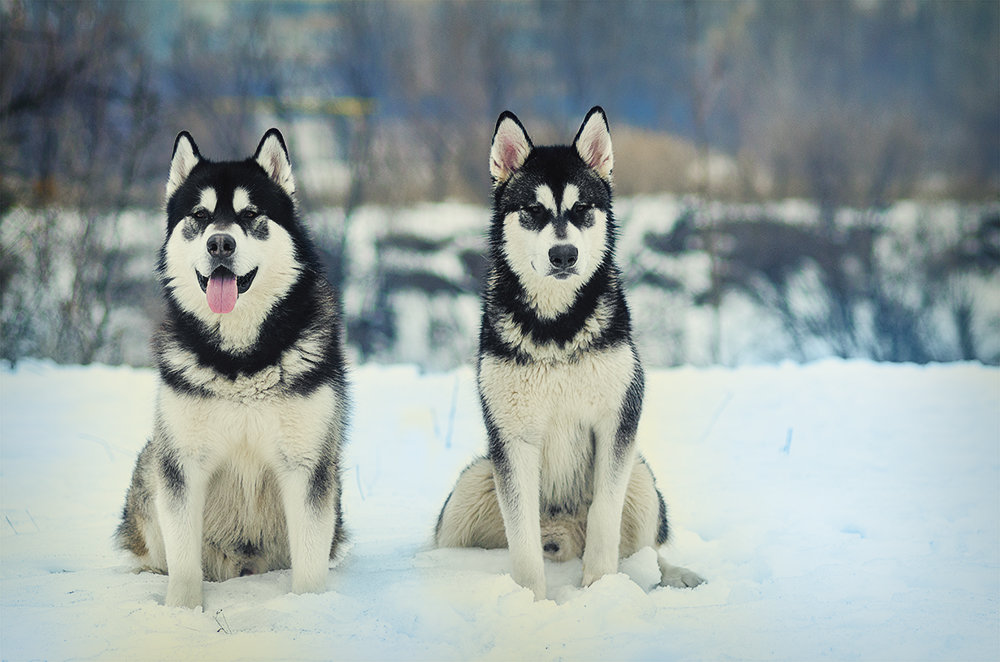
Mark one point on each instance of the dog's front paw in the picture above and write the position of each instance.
(589, 576)
(596, 566)
(534, 580)
(537, 587)
(302, 583)
(184, 594)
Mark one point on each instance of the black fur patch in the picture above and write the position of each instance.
(630, 412)
(172, 474)
(192, 228)
(663, 532)
(497, 454)
(437, 527)
(321, 481)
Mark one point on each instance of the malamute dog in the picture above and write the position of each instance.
(241, 475)
(558, 374)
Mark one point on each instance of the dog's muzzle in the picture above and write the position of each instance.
(222, 287)
(562, 260)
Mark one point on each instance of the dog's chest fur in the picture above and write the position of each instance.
(557, 405)
(266, 430)
(280, 410)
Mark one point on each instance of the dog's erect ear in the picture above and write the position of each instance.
(184, 160)
(593, 143)
(511, 147)
(272, 156)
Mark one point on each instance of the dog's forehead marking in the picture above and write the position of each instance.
(546, 198)
(241, 199)
(209, 199)
(570, 196)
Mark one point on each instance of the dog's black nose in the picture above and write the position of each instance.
(221, 245)
(551, 548)
(563, 256)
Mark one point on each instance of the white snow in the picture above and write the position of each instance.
(839, 510)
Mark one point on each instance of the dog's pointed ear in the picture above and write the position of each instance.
(511, 147)
(593, 143)
(185, 158)
(272, 155)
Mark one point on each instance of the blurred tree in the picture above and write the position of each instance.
(77, 107)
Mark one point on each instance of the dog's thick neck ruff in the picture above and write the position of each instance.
(553, 289)
(242, 282)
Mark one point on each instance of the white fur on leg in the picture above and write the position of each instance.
(181, 523)
(600, 553)
(604, 521)
(310, 533)
(676, 576)
(519, 504)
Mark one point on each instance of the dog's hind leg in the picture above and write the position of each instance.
(644, 524)
(471, 514)
(644, 513)
(676, 576)
(139, 531)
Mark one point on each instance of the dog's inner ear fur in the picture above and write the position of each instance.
(184, 160)
(511, 147)
(273, 158)
(593, 144)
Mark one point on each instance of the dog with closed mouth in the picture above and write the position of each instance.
(559, 377)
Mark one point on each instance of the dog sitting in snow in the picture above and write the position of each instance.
(559, 377)
(241, 475)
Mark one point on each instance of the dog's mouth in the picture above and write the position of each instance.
(223, 287)
(562, 274)
(556, 272)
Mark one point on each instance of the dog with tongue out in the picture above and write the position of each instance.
(242, 473)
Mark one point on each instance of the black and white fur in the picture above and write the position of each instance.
(241, 475)
(559, 378)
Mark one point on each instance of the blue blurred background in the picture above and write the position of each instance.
(794, 180)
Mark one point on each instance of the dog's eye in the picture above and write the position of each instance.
(249, 214)
(200, 215)
(534, 209)
(580, 207)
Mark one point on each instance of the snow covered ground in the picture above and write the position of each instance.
(839, 510)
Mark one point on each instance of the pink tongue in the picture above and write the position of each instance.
(221, 293)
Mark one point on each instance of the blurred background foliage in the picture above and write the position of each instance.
(881, 117)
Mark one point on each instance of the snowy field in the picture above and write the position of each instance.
(840, 511)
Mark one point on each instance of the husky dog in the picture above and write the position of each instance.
(558, 374)
(241, 475)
